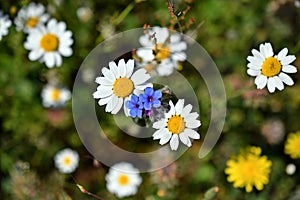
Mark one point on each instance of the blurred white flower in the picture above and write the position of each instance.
(84, 13)
(66, 161)
(5, 23)
(271, 70)
(163, 49)
(297, 3)
(49, 43)
(30, 17)
(177, 124)
(290, 169)
(118, 83)
(53, 96)
(123, 179)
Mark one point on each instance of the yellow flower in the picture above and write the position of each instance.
(249, 169)
(292, 145)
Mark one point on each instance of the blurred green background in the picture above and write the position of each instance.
(31, 135)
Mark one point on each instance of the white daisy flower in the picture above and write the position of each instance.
(5, 23)
(66, 161)
(53, 96)
(30, 17)
(123, 180)
(50, 43)
(118, 84)
(177, 124)
(164, 52)
(271, 70)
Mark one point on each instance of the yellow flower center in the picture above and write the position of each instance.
(123, 180)
(49, 42)
(67, 161)
(32, 22)
(271, 67)
(162, 52)
(122, 87)
(55, 93)
(176, 124)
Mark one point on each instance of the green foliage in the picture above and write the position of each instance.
(31, 135)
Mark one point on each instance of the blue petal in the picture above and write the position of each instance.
(147, 105)
(156, 103)
(139, 113)
(157, 94)
(132, 113)
(149, 91)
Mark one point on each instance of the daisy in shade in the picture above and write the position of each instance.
(177, 124)
(50, 43)
(118, 83)
(270, 70)
(5, 23)
(30, 17)
(66, 161)
(54, 96)
(162, 50)
(123, 180)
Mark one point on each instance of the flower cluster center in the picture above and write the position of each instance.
(67, 161)
(123, 180)
(32, 22)
(55, 94)
(162, 51)
(176, 124)
(49, 42)
(271, 67)
(123, 87)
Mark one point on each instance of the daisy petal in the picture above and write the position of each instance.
(140, 76)
(257, 54)
(289, 69)
(288, 60)
(129, 67)
(174, 142)
(159, 124)
(253, 72)
(271, 84)
(278, 83)
(159, 133)
(108, 74)
(35, 54)
(165, 138)
(286, 79)
(261, 81)
(268, 50)
(282, 54)
(104, 101)
(186, 110)
(193, 124)
(114, 69)
(192, 133)
(118, 106)
(191, 116)
(179, 106)
(104, 81)
(185, 139)
(122, 67)
(111, 104)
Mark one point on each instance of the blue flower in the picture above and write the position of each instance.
(150, 98)
(135, 106)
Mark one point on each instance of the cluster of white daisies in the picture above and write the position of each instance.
(126, 85)
(47, 41)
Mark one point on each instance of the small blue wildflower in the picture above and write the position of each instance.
(150, 98)
(135, 106)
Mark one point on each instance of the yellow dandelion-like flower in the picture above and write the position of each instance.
(249, 169)
(292, 145)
